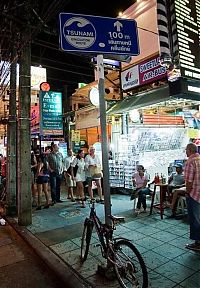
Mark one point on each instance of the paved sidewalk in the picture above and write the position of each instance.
(161, 242)
(19, 267)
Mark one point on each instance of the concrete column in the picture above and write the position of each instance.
(24, 139)
(11, 183)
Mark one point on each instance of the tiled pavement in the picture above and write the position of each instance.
(19, 267)
(161, 242)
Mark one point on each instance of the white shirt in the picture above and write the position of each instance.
(67, 162)
(89, 160)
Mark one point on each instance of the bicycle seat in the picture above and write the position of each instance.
(116, 218)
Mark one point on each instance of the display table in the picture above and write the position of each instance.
(160, 206)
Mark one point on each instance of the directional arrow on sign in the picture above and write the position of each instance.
(118, 25)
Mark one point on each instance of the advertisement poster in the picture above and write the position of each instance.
(51, 113)
(144, 73)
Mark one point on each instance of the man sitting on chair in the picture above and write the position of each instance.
(176, 194)
(176, 180)
(176, 187)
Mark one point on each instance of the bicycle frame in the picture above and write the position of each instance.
(102, 231)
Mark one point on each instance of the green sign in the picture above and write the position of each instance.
(51, 113)
(81, 85)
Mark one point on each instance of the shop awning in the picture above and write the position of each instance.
(183, 90)
(143, 99)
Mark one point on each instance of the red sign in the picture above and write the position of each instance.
(44, 86)
(35, 115)
(151, 70)
(146, 72)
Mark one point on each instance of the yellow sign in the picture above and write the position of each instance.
(193, 133)
(75, 135)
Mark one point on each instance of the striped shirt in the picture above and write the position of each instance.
(192, 175)
(55, 161)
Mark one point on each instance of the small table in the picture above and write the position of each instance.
(160, 206)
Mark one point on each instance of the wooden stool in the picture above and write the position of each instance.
(160, 206)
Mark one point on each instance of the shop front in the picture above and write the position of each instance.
(152, 128)
(87, 131)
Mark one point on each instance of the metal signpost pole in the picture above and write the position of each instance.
(104, 144)
(100, 35)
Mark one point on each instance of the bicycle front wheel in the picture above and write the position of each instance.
(129, 265)
(86, 237)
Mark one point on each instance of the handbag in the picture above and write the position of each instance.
(95, 172)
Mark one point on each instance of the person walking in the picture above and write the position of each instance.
(70, 183)
(42, 179)
(55, 160)
(192, 180)
(78, 174)
(93, 173)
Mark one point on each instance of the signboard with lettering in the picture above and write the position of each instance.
(51, 113)
(187, 15)
(146, 72)
(75, 135)
(85, 33)
(35, 119)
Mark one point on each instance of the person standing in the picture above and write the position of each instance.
(78, 174)
(55, 160)
(42, 179)
(70, 183)
(93, 173)
(192, 180)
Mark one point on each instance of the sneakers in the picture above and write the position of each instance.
(193, 246)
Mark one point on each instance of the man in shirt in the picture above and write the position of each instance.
(55, 161)
(176, 179)
(176, 183)
(70, 183)
(192, 180)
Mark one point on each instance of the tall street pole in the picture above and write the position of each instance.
(24, 139)
(11, 185)
(104, 141)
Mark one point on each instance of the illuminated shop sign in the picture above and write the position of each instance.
(38, 75)
(51, 113)
(146, 72)
(188, 31)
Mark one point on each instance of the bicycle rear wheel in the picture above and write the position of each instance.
(86, 237)
(130, 267)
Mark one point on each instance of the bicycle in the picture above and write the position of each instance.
(121, 254)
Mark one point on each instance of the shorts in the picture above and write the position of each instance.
(69, 181)
(90, 179)
(42, 179)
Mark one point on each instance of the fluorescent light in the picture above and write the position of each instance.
(194, 89)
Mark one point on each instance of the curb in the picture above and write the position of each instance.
(67, 274)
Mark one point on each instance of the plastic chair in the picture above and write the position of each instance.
(182, 204)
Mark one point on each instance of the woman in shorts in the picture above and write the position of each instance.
(42, 181)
